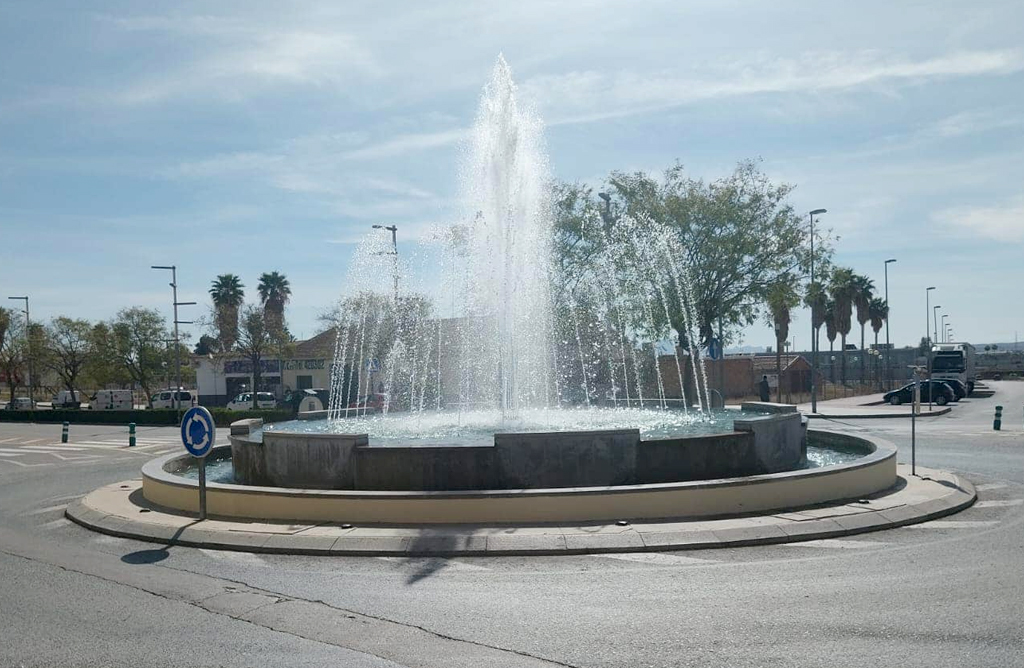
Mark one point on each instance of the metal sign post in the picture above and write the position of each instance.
(198, 434)
(915, 409)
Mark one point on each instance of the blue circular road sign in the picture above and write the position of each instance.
(198, 432)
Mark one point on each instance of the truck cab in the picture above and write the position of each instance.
(954, 361)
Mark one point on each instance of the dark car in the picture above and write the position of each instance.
(959, 389)
(937, 390)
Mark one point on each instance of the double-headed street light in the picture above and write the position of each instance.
(177, 341)
(394, 246)
(888, 355)
(28, 341)
(814, 332)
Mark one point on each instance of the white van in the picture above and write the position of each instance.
(69, 399)
(167, 399)
(113, 400)
(243, 402)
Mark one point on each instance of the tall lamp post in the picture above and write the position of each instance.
(177, 340)
(814, 332)
(394, 246)
(28, 341)
(888, 345)
(944, 316)
(935, 321)
(929, 340)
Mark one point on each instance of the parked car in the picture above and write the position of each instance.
(112, 400)
(311, 399)
(169, 398)
(243, 402)
(959, 389)
(68, 399)
(940, 393)
(19, 404)
(371, 401)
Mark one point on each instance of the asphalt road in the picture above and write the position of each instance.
(945, 593)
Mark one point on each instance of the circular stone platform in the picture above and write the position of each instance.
(865, 476)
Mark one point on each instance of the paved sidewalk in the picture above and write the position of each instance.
(120, 510)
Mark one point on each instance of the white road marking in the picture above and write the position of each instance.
(47, 509)
(13, 451)
(8, 440)
(59, 522)
(655, 558)
(999, 503)
(952, 524)
(11, 454)
(838, 544)
(35, 440)
(23, 464)
(51, 448)
(990, 486)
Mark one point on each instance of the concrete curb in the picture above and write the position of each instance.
(880, 416)
(117, 510)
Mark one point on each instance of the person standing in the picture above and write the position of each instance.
(763, 389)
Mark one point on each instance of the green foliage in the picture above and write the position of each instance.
(275, 292)
(137, 343)
(67, 349)
(228, 294)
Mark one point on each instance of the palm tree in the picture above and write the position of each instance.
(274, 294)
(830, 334)
(843, 289)
(782, 299)
(878, 312)
(228, 294)
(863, 293)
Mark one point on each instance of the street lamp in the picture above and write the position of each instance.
(888, 345)
(929, 340)
(394, 245)
(177, 341)
(28, 341)
(944, 316)
(814, 332)
(935, 321)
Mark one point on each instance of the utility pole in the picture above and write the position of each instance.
(394, 245)
(28, 340)
(177, 340)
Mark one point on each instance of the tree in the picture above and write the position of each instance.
(831, 329)
(254, 342)
(878, 312)
(138, 337)
(67, 349)
(738, 236)
(12, 351)
(863, 293)
(782, 299)
(227, 294)
(275, 293)
(843, 289)
(208, 345)
(103, 367)
(5, 324)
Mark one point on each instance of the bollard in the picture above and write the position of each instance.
(131, 434)
(998, 422)
(64, 432)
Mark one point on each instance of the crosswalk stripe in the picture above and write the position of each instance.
(12, 451)
(999, 503)
(987, 487)
(60, 521)
(655, 558)
(952, 524)
(48, 509)
(835, 543)
(8, 440)
(23, 464)
(52, 448)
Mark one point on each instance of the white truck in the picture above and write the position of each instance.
(956, 361)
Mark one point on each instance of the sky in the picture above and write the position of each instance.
(247, 137)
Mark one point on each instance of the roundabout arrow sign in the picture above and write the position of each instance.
(198, 432)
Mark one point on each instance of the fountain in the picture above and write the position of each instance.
(537, 391)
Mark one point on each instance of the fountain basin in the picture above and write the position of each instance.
(870, 474)
(319, 459)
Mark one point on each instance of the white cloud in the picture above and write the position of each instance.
(1003, 223)
(586, 96)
